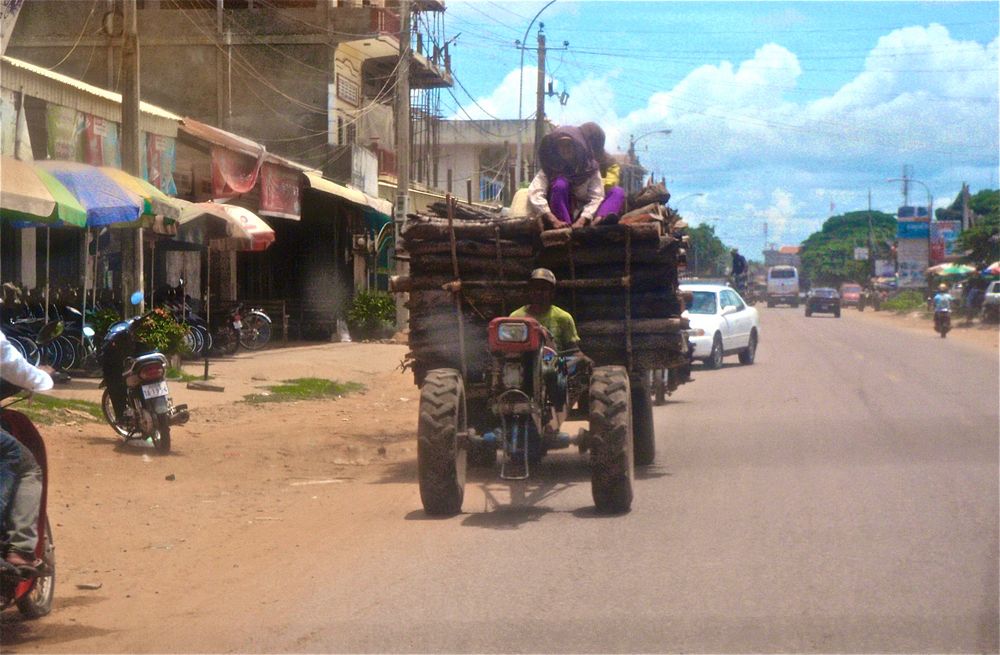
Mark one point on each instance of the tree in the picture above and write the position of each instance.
(828, 255)
(982, 241)
(707, 255)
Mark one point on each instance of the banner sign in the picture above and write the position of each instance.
(65, 127)
(279, 191)
(944, 234)
(884, 268)
(912, 230)
(912, 256)
(8, 122)
(100, 142)
(860, 254)
(233, 173)
(160, 161)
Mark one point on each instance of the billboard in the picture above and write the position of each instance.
(912, 230)
(912, 257)
(884, 268)
(944, 234)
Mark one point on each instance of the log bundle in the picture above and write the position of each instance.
(618, 281)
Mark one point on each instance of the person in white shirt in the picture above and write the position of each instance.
(20, 474)
(568, 188)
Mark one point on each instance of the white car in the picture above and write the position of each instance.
(721, 324)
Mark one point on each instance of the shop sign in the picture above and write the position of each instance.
(100, 142)
(280, 192)
(944, 234)
(65, 128)
(160, 161)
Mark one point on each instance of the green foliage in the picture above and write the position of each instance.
(103, 320)
(49, 410)
(982, 241)
(371, 312)
(159, 330)
(707, 255)
(905, 301)
(828, 255)
(305, 389)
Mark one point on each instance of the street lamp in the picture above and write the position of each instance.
(690, 195)
(632, 140)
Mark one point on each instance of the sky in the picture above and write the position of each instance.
(781, 114)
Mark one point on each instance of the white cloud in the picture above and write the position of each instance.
(743, 133)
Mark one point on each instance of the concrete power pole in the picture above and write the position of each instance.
(540, 94)
(402, 150)
(132, 259)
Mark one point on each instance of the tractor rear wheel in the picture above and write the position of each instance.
(441, 461)
(611, 457)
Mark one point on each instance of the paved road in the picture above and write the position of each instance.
(840, 495)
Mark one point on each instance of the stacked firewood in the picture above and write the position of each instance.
(605, 274)
(638, 264)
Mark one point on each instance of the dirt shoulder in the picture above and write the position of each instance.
(977, 334)
(164, 535)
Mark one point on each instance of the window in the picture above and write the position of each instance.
(782, 273)
(730, 298)
(703, 302)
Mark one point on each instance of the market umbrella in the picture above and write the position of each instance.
(242, 229)
(106, 201)
(946, 270)
(31, 194)
(155, 202)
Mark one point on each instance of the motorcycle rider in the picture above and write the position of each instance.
(740, 270)
(562, 327)
(942, 303)
(20, 474)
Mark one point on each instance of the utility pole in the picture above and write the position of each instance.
(540, 94)
(132, 260)
(402, 151)
(871, 237)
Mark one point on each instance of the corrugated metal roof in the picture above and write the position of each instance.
(90, 88)
(63, 90)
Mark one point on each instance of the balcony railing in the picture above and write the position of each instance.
(384, 21)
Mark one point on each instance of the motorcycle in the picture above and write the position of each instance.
(149, 411)
(30, 589)
(942, 322)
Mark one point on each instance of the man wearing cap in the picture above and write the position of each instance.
(559, 322)
(20, 474)
(562, 327)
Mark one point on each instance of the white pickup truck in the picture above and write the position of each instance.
(991, 303)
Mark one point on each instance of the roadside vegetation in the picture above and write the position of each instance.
(905, 302)
(305, 389)
(48, 410)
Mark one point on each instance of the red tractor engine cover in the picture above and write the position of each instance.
(532, 341)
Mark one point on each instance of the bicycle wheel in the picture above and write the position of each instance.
(190, 343)
(256, 331)
(68, 358)
(50, 354)
(31, 351)
(206, 339)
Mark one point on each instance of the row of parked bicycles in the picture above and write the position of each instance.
(24, 322)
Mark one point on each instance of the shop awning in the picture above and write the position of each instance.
(238, 226)
(360, 198)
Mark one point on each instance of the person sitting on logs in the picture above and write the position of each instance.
(568, 186)
(562, 328)
(613, 205)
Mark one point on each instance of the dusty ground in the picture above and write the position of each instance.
(242, 477)
(976, 333)
(215, 522)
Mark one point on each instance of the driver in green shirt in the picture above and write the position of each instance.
(562, 327)
(559, 322)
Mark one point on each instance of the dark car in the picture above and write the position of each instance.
(823, 301)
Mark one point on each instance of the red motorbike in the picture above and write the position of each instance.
(30, 588)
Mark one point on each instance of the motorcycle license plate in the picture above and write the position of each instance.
(154, 390)
(238, 325)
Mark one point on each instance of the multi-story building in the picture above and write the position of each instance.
(311, 80)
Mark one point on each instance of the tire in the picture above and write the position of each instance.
(256, 331)
(31, 351)
(68, 359)
(441, 463)
(161, 436)
(714, 360)
(108, 408)
(206, 338)
(643, 432)
(612, 467)
(748, 356)
(230, 339)
(836, 314)
(38, 602)
(189, 344)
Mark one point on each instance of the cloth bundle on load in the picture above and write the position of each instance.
(618, 281)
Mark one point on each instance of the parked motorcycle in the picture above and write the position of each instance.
(942, 322)
(149, 412)
(32, 590)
